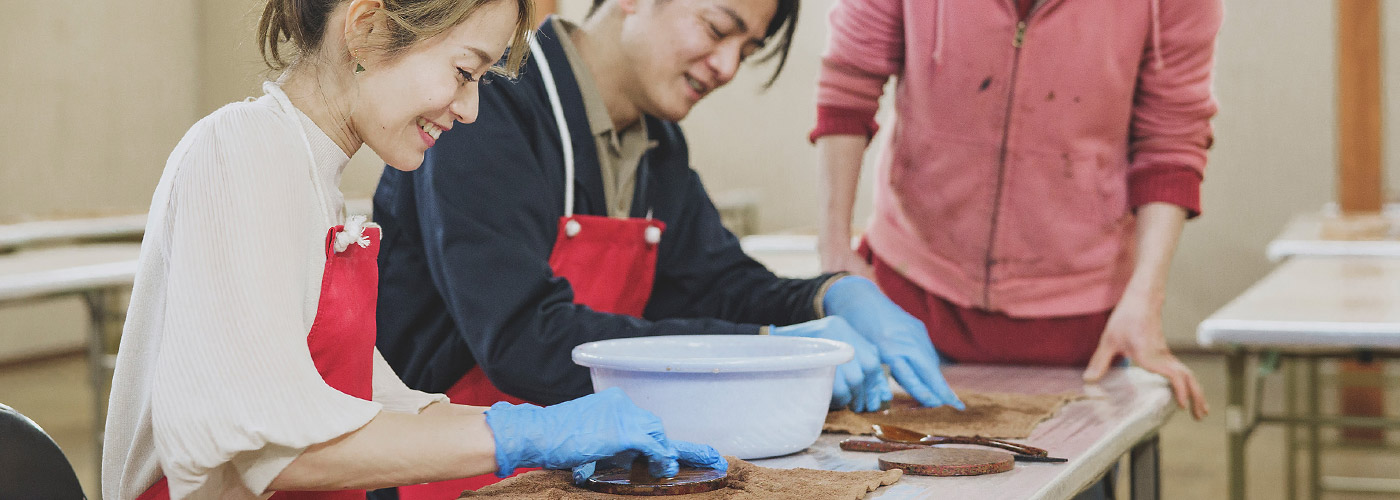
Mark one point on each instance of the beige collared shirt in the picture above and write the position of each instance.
(619, 152)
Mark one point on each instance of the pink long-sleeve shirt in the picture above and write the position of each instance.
(1019, 147)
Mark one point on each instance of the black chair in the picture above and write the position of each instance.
(32, 467)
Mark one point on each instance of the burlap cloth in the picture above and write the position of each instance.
(746, 481)
(988, 414)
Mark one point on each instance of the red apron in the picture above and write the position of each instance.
(610, 264)
(341, 338)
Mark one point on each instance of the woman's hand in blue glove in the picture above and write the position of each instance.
(587, 429)
(901, 339)
(860, 383)
(687, 453)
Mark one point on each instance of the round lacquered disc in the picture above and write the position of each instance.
(689, 480)
(948, 461)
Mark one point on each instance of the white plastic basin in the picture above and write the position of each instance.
(750, 396)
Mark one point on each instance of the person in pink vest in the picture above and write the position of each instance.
(247, 366)
(1042, 159)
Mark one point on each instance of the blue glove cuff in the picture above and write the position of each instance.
(511, 451)
(846, 292)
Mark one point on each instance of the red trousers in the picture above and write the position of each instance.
(973, 335)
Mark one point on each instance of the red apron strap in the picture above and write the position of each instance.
(343, 334)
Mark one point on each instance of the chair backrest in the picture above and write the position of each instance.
(31, 464)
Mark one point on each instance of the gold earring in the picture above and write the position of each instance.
(359, 68)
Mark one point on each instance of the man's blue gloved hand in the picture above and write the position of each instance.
(687, 453)
(902, 339)
(584, 430)
(860, 383)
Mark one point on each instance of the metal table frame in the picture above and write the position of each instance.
(72, 231)
(1244, 413)
(103, 288)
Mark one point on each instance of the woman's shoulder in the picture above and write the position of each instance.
(236, 124)
(245, 152)
(253, 132)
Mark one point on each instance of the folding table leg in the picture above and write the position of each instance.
(1145, 461)
(102, 305)
(1235, 427)
(1290, 389)
(1314, 432)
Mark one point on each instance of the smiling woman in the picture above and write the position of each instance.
(413, 66)
(247, 364)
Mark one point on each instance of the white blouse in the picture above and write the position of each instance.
(214, 385)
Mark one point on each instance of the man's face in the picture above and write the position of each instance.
(678, 51)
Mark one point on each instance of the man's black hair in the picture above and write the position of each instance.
(777, 44)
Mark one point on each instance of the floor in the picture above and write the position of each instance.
(55, 394)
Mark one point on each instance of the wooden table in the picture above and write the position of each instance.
(1093, 434)
(1122, 416)
(1309, 308)
(101, 274)
(1328, 234)
(44, 273)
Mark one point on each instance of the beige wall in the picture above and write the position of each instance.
(96, 93)
(93, 96)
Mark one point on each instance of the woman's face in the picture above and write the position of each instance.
(680, 51)
(405, 101)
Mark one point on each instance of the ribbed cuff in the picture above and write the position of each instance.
(1176, 184)
(843, 121)
(819, 298)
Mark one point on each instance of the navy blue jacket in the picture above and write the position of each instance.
(464, 263)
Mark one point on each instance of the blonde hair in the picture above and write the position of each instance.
(302, 24)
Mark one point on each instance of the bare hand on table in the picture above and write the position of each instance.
(1134, 330)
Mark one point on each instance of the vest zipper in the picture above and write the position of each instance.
(989, 260)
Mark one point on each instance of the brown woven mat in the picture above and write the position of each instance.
(988, 414)
(746, 481)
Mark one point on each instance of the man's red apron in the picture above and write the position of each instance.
(341, 338)
(610, 264)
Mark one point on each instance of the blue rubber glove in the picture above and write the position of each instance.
(902, 339)
(687, 453)
(860, 383)
(584, 430)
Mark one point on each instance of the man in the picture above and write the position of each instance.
(492, 271)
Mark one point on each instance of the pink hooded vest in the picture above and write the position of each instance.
(1018, 150)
